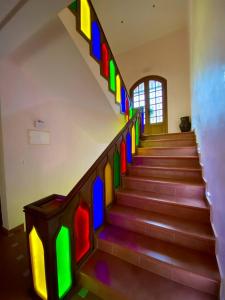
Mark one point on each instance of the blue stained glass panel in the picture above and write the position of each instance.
(128, 148)
(98, 203)
(142, 120)
(96, 40)
(123, 100)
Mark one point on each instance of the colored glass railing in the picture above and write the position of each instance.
(88, 25)
(61, 229)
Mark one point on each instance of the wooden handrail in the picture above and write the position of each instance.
(35, 207)
(93, 13)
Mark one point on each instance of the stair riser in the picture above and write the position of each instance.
(158, 267)
(167, 143)
(189, 151)
(166, 162)
(175, 136)
(168, 235)
(189, 191)
(175, 174)
(186, 213)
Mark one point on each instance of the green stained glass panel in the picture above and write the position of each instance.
(131, 112)
(63, 261)
(73, 6)
(112, 76)
(116, 169)
(137, 132)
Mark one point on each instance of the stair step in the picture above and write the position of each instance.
(167, 143)
(110, 277)
(186, 208)
(168, 151)
(172, 187)
(169, 136)
(165, 172)
(167, 161)
(192, 235)
(185, 266)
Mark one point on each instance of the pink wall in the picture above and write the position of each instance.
(167, 57)
(207, 25)
(46, 78)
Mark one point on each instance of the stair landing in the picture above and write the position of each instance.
(115, 279)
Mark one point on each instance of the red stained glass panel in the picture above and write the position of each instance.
(105, 60)
(82, 230)
(123, 160)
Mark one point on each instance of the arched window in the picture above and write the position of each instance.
(150, 93)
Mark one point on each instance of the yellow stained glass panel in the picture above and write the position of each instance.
(38, 264)
(133, 139)
(118, 89)
(85, 18)
(108, 185)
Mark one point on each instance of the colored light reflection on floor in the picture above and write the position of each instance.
(83, 293)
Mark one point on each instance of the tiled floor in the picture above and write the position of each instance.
(14, 275)
(14, 272)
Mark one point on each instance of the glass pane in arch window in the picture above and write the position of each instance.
(155, 102)
(139, 97)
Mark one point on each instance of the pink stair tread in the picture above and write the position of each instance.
(171, 199)
(130, 214)
(180, 257)
(167, 180)
(114, 279)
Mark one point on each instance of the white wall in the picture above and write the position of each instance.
(47, 79)
(167, 57)
(207, 25)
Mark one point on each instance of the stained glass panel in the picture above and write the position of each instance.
(105, 60)
(98, 203)
(96, 40)
(82, 230)
(85, 18)
(63, 261)
(112, 76)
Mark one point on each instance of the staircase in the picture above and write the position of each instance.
(157, 242)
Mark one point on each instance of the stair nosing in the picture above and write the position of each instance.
(167, 147)
(171, 140)
(168, 156)
(158, 259)
(133, 193)
(164, 181)
(166, 168)
(162, 225)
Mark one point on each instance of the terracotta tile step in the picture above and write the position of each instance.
(169, 136)
(111, 278)
(190, 234)
(170, 187)
(167, 143)
(168, 151)
(188, 267)
(185, 208)
(165, 172)
(167, 161)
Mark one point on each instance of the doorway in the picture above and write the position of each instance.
(150, 93)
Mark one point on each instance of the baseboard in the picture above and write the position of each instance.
(13, 230)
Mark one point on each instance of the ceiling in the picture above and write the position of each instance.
(131, 23)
